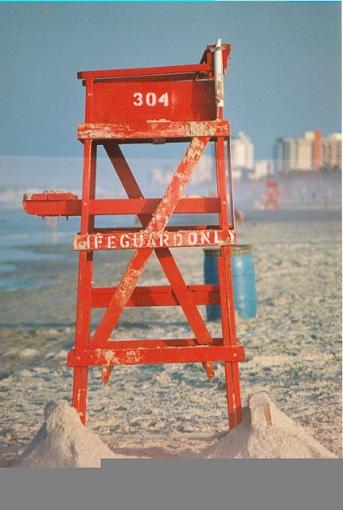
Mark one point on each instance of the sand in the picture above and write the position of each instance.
(293, 350)
(265, 432)
(62, 441)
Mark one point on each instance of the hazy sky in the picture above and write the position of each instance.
(284, 76)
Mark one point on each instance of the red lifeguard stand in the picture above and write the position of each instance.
(152, 105)
(271, 195)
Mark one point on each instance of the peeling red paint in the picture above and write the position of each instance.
(151, 355)
(120, 206)
(152, 130)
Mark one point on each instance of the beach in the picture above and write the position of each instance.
(293, 346)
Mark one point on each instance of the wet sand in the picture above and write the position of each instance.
(293, 348)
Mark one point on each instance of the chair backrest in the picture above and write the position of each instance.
(174, 93)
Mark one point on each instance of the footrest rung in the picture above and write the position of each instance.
(155, 355)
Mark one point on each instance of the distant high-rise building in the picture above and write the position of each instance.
(317, 152)
(285, 155)
(242, 153)
(263, 168)
(304, 150)
(332, 151)
(308, 153)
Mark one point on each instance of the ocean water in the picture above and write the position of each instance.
(24, 239)
(27, 239)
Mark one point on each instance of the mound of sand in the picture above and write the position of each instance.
(62, 441)
(267, 433)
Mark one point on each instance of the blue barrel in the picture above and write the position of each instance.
(244, 289)
(243, 275)
(211, 277)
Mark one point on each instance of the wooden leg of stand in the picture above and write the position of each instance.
(80, 392)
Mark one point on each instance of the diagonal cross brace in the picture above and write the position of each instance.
(157, 223)
(164, 255)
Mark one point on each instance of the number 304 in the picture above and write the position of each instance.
(150, 99)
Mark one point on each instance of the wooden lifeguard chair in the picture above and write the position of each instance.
(152, 105)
